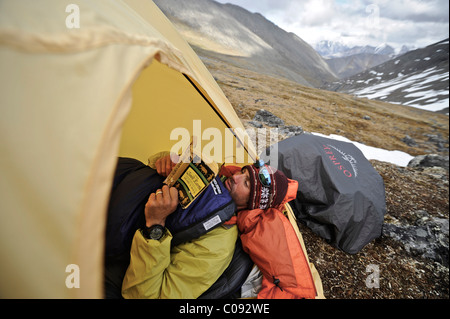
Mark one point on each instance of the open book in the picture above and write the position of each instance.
(191, 175)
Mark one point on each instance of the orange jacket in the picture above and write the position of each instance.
(270, 240)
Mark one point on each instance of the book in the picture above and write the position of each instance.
(192, 174)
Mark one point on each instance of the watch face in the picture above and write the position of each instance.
(156, 232)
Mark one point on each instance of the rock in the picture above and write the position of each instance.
(256, 124)
(291, 130)
(268, 118)
(430, 160)
(439, 141)
(428, 238)
(436, 138)
(366, 117)
(439, 173)
(408, 140)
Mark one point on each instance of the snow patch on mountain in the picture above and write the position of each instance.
(419, 92)
(419, 78)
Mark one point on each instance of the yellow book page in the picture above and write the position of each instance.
(193, 181)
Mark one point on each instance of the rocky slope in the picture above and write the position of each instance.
(246, 39)
(418, 78)
(411, 257)
(348, 66)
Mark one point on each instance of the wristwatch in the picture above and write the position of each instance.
(155, 232)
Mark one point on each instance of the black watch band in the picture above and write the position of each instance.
(155, 232)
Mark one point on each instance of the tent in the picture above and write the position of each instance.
(80, 85)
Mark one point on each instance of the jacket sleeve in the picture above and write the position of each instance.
(186, 271)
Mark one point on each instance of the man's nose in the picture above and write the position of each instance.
(237, 177)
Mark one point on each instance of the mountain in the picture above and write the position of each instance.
(404, 49)
(384, 49)
(232, 34)
(346, 61)
(418, 78)
(348, 66)
(335, 49)
(331, 49)
(235, 36)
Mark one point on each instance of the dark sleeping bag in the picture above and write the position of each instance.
(341, 197)
(133, 183)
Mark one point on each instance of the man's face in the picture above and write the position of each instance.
(239, 187)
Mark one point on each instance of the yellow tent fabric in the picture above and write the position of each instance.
(73, 97)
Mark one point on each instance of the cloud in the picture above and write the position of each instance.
(416, 11)
(358, 22)
(312, 12)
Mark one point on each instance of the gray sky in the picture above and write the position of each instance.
(416, 23)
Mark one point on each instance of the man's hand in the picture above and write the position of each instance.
(165, 164)
(160, 205)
